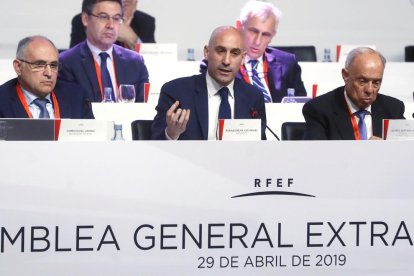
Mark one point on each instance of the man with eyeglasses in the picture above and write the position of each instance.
(271, 70)
(36, 93)
(97, 63)
(138, 27)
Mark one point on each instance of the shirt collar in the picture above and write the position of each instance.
(352, 107)
(96, 51)
(213, 86)
(30, 97)
(260, 59)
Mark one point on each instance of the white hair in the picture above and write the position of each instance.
(260, 9)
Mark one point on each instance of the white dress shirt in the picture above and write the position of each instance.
(34, 109)
(368, 118)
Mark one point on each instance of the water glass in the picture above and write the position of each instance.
(126, 93)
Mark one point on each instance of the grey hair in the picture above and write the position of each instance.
(362, 50)
(21, 47)
(260, 9)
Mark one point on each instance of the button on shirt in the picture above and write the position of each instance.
(34, 109)
(368, 118)
(109, 64)
(214, 101)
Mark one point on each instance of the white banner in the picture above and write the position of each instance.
(207, 208)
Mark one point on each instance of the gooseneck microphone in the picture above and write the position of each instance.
(255, 115)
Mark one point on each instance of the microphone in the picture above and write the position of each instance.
(255, 115)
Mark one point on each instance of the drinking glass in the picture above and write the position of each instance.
(126, 93)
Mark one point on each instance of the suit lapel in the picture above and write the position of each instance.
(377, 116)
(121, 71)
(343, 121)
(274, 76)
(17, 105)
(201, 104)
(88, 64)
(241, 102)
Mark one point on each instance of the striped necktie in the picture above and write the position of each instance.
(362, 127)
(41, 103)
(257, 81)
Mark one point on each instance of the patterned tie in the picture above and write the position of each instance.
(224, 109)
(258, 83)
(41, 103)
(105, 77)
(361, 124)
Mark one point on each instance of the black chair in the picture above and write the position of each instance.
(303, 53)
(409, 53)
(293, 131)
(141, 129)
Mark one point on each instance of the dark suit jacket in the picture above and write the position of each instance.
(284, 72)
(143, 25)
(70, 97)
(78, 66)
(192, 94)
(327, 116)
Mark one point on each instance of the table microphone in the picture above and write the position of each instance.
(255, 115)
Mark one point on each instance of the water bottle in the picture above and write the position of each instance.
(118, 133)
(190, 54)
(290, 96)
(108, 95)
(326, 55)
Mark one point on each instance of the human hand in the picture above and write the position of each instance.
(375, 138)
(177, 120)
(127, 35)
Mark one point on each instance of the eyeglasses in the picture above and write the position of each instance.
(106, 18)
(252, 73)
(41, 65)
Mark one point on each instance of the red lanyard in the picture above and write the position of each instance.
(245, 76)
(98, 75)
(26, 105)
(354, 123)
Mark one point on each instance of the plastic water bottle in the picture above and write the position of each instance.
(190, 54)
(290, 95)
(108, 95)
(118, 133)
(326, 55)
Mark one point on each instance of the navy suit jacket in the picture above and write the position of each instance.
(192, 94)
(70, 97)
(284, 72)
(327, 116)
(78, 66)
(143, 25)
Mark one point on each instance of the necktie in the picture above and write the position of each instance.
(224, 109)
(258, 83)
(41, 103)
(361, 124)
(105, 77)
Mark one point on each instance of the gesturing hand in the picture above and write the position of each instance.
(177, 120)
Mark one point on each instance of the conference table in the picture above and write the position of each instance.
(206, 208)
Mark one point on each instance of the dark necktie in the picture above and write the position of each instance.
(41, 103)
(361, 124)
(224, 109)
(105, 77)
(258, 83)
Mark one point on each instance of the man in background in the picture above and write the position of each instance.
(138, 27)
(36, 93)
(189, 108)
(272, 71)
(96, 63)
(354, 111)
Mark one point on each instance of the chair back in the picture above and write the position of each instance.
(409, 53)
(141, 129)
(303, 53)
(293, 131)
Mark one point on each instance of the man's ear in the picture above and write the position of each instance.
(85, 19)
(17, 65)
(206, 52)
(345, 75)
